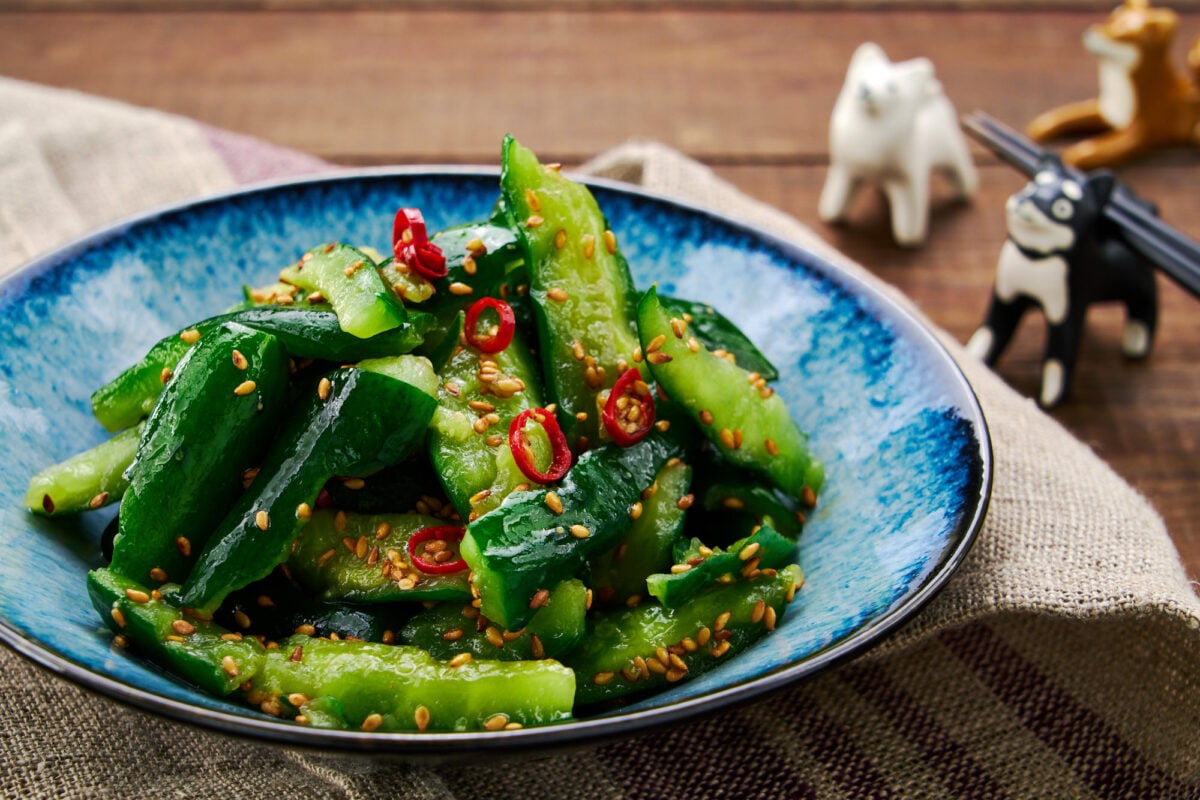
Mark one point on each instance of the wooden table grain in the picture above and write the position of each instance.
(746, 89)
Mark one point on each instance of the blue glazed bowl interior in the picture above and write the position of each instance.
(904, 441)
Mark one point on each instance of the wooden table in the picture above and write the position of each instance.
(747, 89)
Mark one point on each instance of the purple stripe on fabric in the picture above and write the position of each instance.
(958, 771)
(250, 160)
(834, 747)
(725, 758)
(1093, 750)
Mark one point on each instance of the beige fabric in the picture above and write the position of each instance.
(1059, 662)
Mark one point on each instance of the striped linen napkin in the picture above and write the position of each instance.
(1060, 661)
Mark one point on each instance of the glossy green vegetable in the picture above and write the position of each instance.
(525, 547)
(452, 628)
(304, 331)
(215, 420)
(328, 563)
(399, 688)
(620, 575)
(353, 422)
(198, 651)
(580, 285)
(739, 414)
(713, 330)
(88, 480)
(699, 566)
(348, 278)
(649, 647)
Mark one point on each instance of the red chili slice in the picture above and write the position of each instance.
(441, 533)
(411, 245)
(490, 343)
(518, 442)
(629, 422)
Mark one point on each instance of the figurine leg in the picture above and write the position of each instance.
(1106, 150)
(1141, 304)
(989, 341)
(1081, 117)
(835, 195)
(960, 169)
(909, 204)
(1062, 348)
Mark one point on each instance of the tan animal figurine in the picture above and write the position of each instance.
(1144, 102)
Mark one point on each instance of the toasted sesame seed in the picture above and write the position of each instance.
(460, 289)
(769, 618)
(244, 388)
(685, 502)
(726, 437)
(540, 598)
(242, 619)
(239, 360)
(534, 221)
(493, 636)
(557, 294)
(589, 245)
(183, 546)
(535, 646)
(656, 666)
(459, 660)
(720, 649)
(306, 630)
(808, 497)
(232, 637)
(635, 510)
(496, 722)
(98, 500)
(339, 521)
(560, 239)
(304, 511)
(165, 375)
(705, 416)
(678, 327)
(323, 388)
(191, 336)
(747, 552)
(722, 620)
(737, 438)
(361, 548)
(298, 699)
(326, 557)
(382, 530)
(158, 574)
(580, 532)
(230, 666)
(679, 569)
(183, 627)
(373, 721)
(137, 595)
(553, 503)
(354, 484)
(602, 678)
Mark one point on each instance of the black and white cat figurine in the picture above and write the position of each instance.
(1062, 255)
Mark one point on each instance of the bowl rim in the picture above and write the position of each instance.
(574, 732)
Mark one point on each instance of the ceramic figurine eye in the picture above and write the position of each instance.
(1062, 208)
(1072, 190)
(1044, 178)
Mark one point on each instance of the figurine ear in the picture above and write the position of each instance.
(1101, 184)
(867, 52)
(1051, 162)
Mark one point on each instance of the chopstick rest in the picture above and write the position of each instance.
(891, 125)
(1074, 239)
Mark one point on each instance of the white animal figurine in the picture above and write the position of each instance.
(892, 125)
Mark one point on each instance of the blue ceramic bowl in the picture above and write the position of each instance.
(903, 437)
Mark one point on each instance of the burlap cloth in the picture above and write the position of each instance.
(1059, 662)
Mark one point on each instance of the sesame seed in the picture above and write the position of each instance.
(191, 336)
(703, 635)
(496, 722)
(459, 660)
(239, 360)
(706, 416)
(760, 608)
(183, 546)
(553, 503)
(339, 521)
(747, 552)
(230, 666)
(580, 532)
(602, 678)
(373, 721)
(635, 510)
(166, 374)
(232, 637)
(726, 437)
(656, 666)
(323, 388)
(771, 447)
(306, 630)
(242, 619)
(737, 438)
(137, 595)
(720, 649)
(769, 618)
(460, 289)
(326, 557)
(244, 388)
(721, 621)
(685, 502)
(557, 294)
(534, 221)
(535, 646)
(354, 484)
(693, 345)
(158, 574)
(540, 598)
(808, 497)
(360, 548)
(560, 239)
(304, 511)
(493, 636)
(678, 327)
(262, 520)
(589, 246)
(679, 569)
(183, 627)
(98, 500)
(382, 530)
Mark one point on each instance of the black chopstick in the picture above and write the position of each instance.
(1172, 252)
